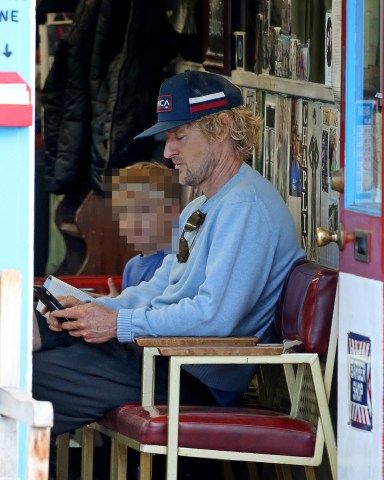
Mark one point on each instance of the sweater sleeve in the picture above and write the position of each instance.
(235, 262)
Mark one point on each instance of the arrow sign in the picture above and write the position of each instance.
(7, 53)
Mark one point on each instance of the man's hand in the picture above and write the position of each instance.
(94, 323)
(65, 301)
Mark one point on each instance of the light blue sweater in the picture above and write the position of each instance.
(231, 282)
(140, 268)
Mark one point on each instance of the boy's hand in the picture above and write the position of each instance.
(113, 292)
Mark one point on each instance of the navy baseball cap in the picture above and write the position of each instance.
(191, 95)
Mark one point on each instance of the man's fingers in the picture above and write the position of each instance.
(95, 323)
(54, 324)
(68, 302)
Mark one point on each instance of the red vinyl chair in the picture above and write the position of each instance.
(307, 315)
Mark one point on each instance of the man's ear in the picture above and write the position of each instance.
(226, 122)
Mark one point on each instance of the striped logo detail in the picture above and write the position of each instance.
(207, 102)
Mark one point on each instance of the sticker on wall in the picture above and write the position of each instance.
(15, 101)
(359, 373)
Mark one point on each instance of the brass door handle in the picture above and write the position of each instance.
(339, 236)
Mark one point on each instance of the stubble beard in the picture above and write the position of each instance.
(197, 177)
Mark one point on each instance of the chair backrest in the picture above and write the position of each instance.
(107, 250)
(305, 308)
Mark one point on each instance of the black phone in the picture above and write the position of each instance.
(49, 300)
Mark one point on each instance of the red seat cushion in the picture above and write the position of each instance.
(217, 428)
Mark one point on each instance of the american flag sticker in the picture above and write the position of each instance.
(360, 393)
(207, 102)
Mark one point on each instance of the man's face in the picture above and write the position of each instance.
(194, 157)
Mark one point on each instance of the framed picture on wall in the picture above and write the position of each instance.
(217, 38)
(240, 50)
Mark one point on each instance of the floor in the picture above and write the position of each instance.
(189, 468)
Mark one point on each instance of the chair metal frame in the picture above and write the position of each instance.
(188, 355)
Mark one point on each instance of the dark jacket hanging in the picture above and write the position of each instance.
(102, 89)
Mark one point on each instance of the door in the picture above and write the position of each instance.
(360, 372)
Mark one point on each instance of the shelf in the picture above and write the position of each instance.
(179, 65)
(296, 88)
(286, 86)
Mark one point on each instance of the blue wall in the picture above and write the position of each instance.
(17, 54)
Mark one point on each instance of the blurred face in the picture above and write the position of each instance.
(147, 215)
(148, 224)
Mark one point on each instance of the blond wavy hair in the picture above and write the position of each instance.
(245, 129)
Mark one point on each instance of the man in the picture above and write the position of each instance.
(237, 244)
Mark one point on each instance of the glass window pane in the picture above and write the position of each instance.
(363, 107)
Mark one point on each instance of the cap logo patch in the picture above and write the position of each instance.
(207, 102)
(164, 103)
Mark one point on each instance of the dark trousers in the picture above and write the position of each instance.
(84, 381)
